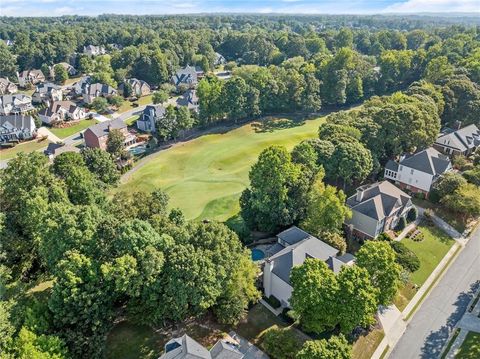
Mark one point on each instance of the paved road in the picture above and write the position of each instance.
(430, 327)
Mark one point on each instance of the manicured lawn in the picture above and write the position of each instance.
(131, 341)
(127, 105)
(26, 147)
(68, 131)
(131, 120)
(470, 348)
(430, 251)
(205, 176)
(365, 346)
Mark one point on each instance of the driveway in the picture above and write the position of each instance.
(432, 324)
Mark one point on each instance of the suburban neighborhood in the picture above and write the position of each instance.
(240, 186)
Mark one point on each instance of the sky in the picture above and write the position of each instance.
(159, 7)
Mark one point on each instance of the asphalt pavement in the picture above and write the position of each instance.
(431, 325)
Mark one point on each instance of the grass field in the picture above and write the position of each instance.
(205, 176)
(470, 348)
(365, 346)
(131, 120)
(26, 147)
(127, 105)
(430, 251)
(68, 131)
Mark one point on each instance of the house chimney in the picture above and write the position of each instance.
(360, 191)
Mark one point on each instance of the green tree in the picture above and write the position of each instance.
(61, 74)
(64, 162)
(357, 298)
(100, 104)
(29, 345)
(438, 69)
(115, 143)
(465, 201)
(8, 64)
(116, 101)
(280, 343)
(266, 204)
(159, 96)
(315, 289)
(101, 164)
(378, 258)
(337, 347)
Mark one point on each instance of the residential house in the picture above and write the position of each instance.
(292, 248)
(80, 85)
(15, 104)
(219, 59)
(460, 142)
(149, 118)
(62, 111)
(55, 149)
(189, 99)
(7, 87)
(417, 172)
(92, 91)
(96, 136)
(139, 88)
(69, 68)
(15, 128)
(8, 42)
(185, 347)
(46, 93)
(93, 50)
(187, 77)
(377, 208)
(30, 77)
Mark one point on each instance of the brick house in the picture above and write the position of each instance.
(96, 136)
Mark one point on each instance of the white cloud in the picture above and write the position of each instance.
(64, 10)
(415, 6)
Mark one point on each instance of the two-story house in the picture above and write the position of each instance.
(138, 88)
(189, 99)
(150, 116)
(187, 77)
(418, 172)
(69, 68)
(460, 142)
(96, 136)
(93, 50)
(15, 128)
(292, 248)
(91, 91)
(15, 104)
(7, 87)
(46, 93)
(62, 111)
(377, 208)
(30, 78)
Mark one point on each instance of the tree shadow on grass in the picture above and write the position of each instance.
(272, 124)
(436, 340)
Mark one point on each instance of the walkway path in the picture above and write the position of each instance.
(43, 131)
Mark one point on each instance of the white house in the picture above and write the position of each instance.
(417, 172)
(460, 142)
(47, 93)
(377, 208)
(7, 86)
(15, 104)
(292, 248)
(80, 85)
(14, 128)
(62, 111)
(93, 50)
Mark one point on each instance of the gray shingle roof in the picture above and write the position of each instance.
(392, 166)
(225, 350)
(379, 200)
(185, 348)
(295, 254)
(17, 121)
(101, 129)
(293, 235)
(429, 161)
(462, 140)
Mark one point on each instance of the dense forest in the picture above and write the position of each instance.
(128, 256)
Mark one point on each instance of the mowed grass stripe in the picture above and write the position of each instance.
(205, 176)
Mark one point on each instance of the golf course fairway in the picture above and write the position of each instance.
(204, 177)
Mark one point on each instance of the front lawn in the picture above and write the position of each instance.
(470, 348)
(365, 346)
(131, 120)
(27, 147)
(68, 131)
(127, 105)
(430, 252)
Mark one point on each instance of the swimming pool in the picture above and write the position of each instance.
(257, 255)
(137, 149)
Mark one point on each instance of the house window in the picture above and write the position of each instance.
(401, 167)
(411, 171)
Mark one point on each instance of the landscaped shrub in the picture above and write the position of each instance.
(273, 301)
(406, 257)
(383, 237)
(412, 214)
(280, 343)
(420, 195)
(402, 223)
(418, 237)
